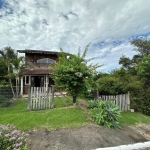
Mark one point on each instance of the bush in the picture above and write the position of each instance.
(146, 109)
(106, 113)
(11, 138)
(92, 104)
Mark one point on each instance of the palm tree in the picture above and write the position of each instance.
(18, 66)
(8, 56)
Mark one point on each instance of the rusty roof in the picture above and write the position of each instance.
(35, 71)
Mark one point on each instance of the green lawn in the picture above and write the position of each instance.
(132, 118)
(18, 115)
(60, 116)
(59, 103)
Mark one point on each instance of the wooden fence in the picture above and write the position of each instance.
(123, 100)
(40, 98)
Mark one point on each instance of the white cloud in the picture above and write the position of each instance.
(49, 25)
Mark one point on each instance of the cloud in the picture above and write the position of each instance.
(49, 25)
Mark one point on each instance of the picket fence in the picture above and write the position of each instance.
(40, 98)
(122, 100)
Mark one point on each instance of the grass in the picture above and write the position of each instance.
(132, 118)
(58, 117)
(59, 103)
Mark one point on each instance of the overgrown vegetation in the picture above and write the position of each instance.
(105, 113)
(133, 76)
(10, 66)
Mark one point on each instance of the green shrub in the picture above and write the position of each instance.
(146, 109)
(11, 138)
(92, 103)
(107, 114)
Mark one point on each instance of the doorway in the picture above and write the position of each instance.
(37, 81)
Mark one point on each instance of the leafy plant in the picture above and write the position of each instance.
(107, 114)
(11, 138)
(92, 103)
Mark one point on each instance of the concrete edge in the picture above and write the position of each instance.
(128, 147)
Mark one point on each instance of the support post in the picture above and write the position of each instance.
(52, 98)
(21, 91)
(47, 82)
(29, 97)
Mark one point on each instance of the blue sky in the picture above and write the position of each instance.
(109, 25)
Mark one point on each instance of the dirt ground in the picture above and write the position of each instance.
(87, 137)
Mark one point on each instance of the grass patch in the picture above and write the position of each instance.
(132, 118)
(23, 119)
(61, 102)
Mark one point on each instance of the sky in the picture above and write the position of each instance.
(108, 25)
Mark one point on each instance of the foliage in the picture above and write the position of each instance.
(11, 138)
(3, 69)
(132, 76)
(126, 62)
(8, 56)
(92, 103)
(12, 64)
(109, 85)
(3, 83)
(143, 67)
(142, 45)
(106, 113)
(73, 74)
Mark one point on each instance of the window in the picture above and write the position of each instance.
(46, 61)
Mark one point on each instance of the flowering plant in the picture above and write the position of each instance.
(11, 138)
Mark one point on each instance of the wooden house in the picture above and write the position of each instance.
(37, 72)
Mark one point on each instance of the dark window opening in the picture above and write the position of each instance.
(27, 80)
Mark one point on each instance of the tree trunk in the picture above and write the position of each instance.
(74, 99)
(11, 83)
(17, 87)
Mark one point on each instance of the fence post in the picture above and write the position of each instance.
(52, 98)
(29, 97)
(128, 101)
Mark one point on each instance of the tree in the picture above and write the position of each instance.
(143, 67)
(18, 65)
(126, 62)
(142, 45)
(73, 74)
(8, 56)
(3, 69)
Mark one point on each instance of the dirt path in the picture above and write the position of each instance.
(87, 137)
